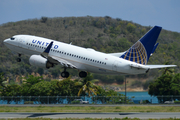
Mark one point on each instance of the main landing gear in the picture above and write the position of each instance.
(19, 58)
(65, 74)
(82, 74)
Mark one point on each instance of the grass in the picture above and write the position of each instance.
(91, 109)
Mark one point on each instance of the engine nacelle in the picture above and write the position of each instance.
(39, 61)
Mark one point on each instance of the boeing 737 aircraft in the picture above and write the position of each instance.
(47, 53)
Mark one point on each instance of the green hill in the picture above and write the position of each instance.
(100, 33)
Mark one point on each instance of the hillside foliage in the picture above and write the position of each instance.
(103, 34)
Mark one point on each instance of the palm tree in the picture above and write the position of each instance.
(88, 86)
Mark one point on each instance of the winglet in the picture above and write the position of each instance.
(46, 51)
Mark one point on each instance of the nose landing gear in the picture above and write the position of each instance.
(19, 58)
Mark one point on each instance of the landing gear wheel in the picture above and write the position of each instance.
(65, 74)
(18, 59)
(82, 74)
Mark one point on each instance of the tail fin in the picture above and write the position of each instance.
(142, 49)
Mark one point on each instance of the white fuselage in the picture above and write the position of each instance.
(84, 59)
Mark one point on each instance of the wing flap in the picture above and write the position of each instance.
(64, 62)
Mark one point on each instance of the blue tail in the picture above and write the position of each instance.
(142, 49)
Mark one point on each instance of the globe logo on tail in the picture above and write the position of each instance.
(137, 53)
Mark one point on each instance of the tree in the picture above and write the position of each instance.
(109, 96)
(31, 80)
(44, 19)
(28, 83)
(87, 86)
(165, 85)
(12, 90)
(2, 79)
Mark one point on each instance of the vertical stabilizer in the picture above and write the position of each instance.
(142, 49)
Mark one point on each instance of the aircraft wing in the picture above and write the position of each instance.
(54, 59)
(64, 62)
(160, 66)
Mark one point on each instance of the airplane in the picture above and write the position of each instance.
(47, 53)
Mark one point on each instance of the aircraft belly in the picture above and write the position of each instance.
(11, 47)
(130, 70)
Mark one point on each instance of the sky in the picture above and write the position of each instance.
(164, 13)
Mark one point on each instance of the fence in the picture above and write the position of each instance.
(91, 100)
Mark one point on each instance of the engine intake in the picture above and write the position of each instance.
(39, 61)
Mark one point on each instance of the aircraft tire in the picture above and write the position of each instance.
(82, 74)
(65, 74)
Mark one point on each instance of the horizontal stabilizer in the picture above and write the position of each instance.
(117, 54)
(160, 66)
(139, 66)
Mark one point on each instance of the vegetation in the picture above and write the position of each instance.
(36, 86)
(88, 87)
(104, 34)
(91, 109)
(166, 85)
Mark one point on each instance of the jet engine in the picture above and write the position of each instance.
(39, 61)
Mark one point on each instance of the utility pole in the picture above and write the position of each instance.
(125, 89)
(69, 38)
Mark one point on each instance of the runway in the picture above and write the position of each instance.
(92, 115)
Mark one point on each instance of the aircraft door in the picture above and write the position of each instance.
(19, 42)
(22, 44)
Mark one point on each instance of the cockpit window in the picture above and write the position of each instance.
(12, 38)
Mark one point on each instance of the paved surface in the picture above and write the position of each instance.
(90, 115)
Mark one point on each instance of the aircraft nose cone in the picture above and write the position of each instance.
(5, 41)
